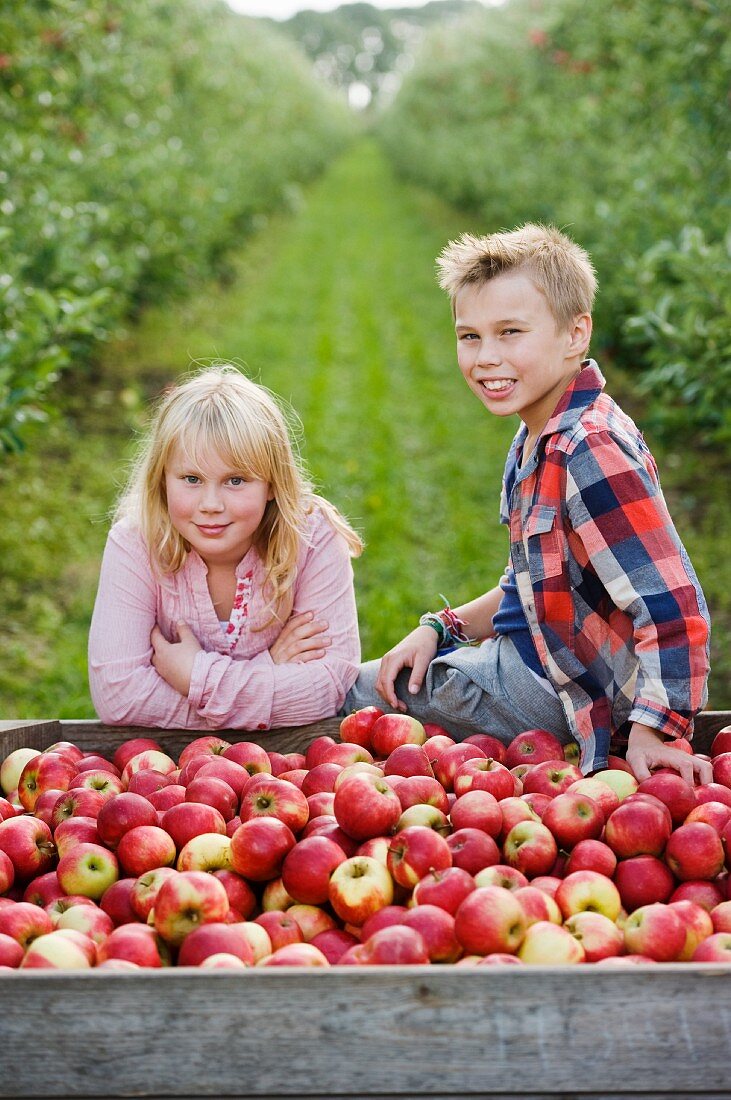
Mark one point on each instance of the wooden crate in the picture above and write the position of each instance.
(659, 1030)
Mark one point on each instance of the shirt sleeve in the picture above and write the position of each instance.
(256, 693)
(125, 687)
(617, 509)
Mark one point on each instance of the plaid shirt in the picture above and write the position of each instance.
(612, 602)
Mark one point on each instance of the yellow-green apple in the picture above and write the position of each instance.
(76, 802)
(591, 855)
(490, 919)
(446, 889)
(214, 792)
(642, 880)
(447, 763)
(319, 805)
(87, 869)
(533, 747)
(146, 888)
(414, 851)
(512, 810)
(637, 829)
(269, 796)
(587, 890)
(717, 814)
(12, 766)
(344, 753)
(24, 922)
(189, 819)
(698, 925)
(55, 951)
(397, 945)
(621, 782)
(274, 896)
(672, 789)
(29, 844)
(477, 810)
(714, 949)
(280, 927)
(116, 901)
(312, 920)
(599, 791)
(307, 869)
(422, 814)
(572, 753)
(45, 772)
(721, 742)
(205, 852)
(572, 817)
(600, 937)
(391, 730)
(171, 795)
(551, 777)
(365, 807)
(655, 931)
(296, 954)
(484, 775)
(333, 943)
(501, 874)
(538, 905)
(187, 900)
(43, 889)
(11, 953)
(695, 851)
(316, 750)
(358, 887)
(258, 848)
(721, 916)
(357, 726)
(127, 749)
(472, 850)
(213, 938)
(135, 943)
(436, 927)
(548, 944)
(491, 746)
(408, 760)
(89, 919)
(121, 813)
(417, 790)
(321, 778)
(530, 848)
(7, 872)
(150, 758)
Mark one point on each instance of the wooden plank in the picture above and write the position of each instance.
(400, 1031)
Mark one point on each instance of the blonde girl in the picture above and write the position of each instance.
(226, 590)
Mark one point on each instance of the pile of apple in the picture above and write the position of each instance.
(394, 845)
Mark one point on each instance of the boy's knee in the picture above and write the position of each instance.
(363, 692)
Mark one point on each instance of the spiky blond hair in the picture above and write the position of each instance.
(220, 409)
(559, 268)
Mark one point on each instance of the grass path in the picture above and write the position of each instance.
(336, 309)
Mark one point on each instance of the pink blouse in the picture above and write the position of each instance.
(235, 683)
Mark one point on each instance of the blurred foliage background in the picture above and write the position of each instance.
(179, 182)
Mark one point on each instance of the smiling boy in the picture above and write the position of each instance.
(598, 630)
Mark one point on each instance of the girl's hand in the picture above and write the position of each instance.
(174, 660)
(647, 750)
(416, 651)
(303, 639)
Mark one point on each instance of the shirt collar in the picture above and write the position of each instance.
(576, 398)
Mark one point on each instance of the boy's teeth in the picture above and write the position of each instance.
(501, 384)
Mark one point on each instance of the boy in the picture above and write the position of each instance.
(599, 627)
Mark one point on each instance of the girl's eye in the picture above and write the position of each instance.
(237, 480)
(190, 479)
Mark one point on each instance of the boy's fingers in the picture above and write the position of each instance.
(421, 664)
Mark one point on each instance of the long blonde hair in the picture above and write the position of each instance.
(220, 409)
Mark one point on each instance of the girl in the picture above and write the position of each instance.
(226, 590)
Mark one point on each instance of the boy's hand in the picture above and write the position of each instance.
(647, 750)
(416, 652)
(303, 639)
(174, 660)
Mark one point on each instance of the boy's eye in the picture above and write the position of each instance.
(509, 331)
(469, 336)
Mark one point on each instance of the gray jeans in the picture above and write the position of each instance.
(484, 689)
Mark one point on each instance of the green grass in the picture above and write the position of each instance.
(337, 310)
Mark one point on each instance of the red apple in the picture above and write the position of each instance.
(121, 813)
(365, 807)
(422, 790)
(189, 819)
(698, 925)
(408, 760)
(135, 943)
(642, 880)
(423, 814)
(513, 810)
(490, 919)
(259, 846)
(211, 791)
(12, 766)
(321, 804)
(324, 826)
(447, 762)
(533, 747)
(722, 769)
(548, 944)
(672, 789)
(165, 797)
(357, 727)
(87, 869)
(187, 900)
(592, 855)
(636, 829)
(307, 869)
(116, 901)
(29, 844)
(485, 775)
(530, 848)
(477, 810)
(44, 889)
(316, 750)
(436, 927)
(447, 888)
(398, 945)
(334, 942)
(415, 851)
(144, 848)
(344, 753)
(268, 796)
(213, 938)
(551, 777)
(510, 878)
(124, 752)
(148, 781)
(472, 850)
(599, 791)
(491, 746)
(280, 927)
(695, 851)
(296, 954)
(150, 759)
(382, 918)
(60, 950)
(391, 730)
(24, 922)
(45, 772)
(321, 778)
(713, 792)
(7, 872)
(721, 917)
(358, 887)
(250, 756)
(655, 931)
(572, 817)
(716, 814)
(11, 952)
(715, 949)
(721, 742)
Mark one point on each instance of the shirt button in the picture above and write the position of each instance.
(262, 726)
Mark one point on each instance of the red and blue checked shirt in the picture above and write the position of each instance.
(613, 604)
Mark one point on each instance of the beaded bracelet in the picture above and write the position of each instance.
(449, 627)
